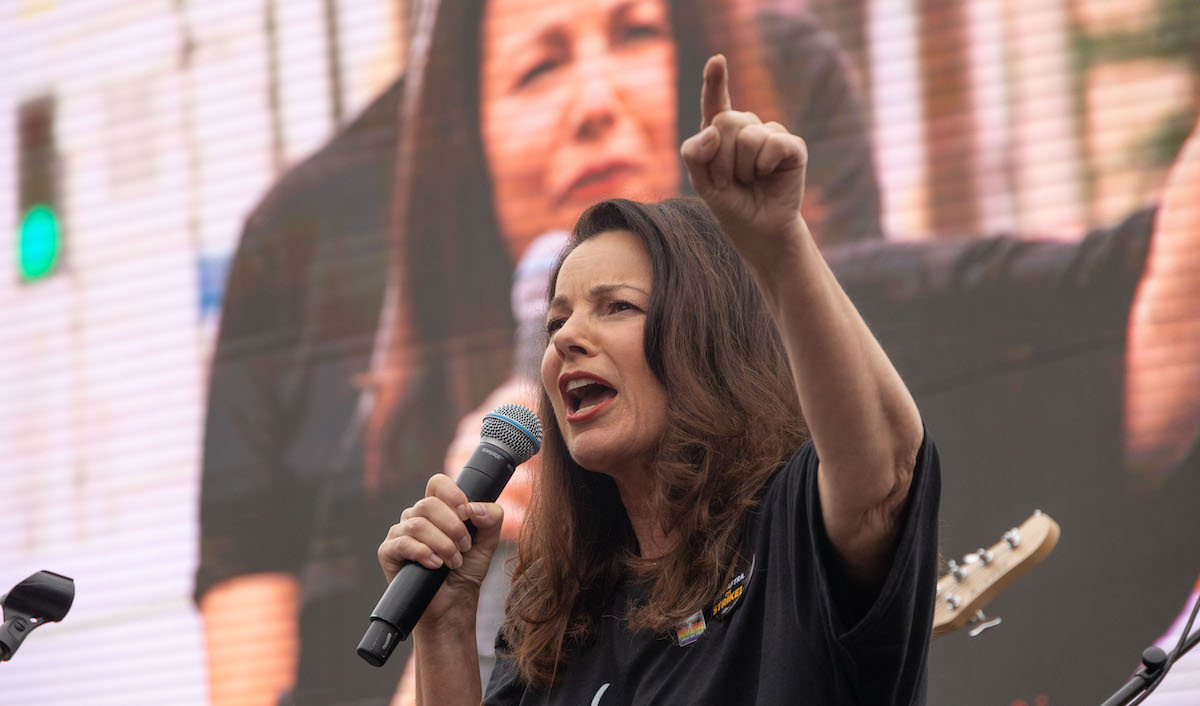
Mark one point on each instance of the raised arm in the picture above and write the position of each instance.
(864, 423)
(1162, 390)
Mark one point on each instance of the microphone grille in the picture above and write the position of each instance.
(516, 427)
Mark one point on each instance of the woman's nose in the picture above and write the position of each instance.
(571, 338)
(596, 98)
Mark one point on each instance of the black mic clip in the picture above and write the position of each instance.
(44, 597)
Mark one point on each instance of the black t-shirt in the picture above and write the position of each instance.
(795, 637)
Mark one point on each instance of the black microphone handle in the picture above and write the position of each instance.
(482, 479)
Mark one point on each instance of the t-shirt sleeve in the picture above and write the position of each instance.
(955, 309)
(250, 506)
(504, 687)
(883, 640)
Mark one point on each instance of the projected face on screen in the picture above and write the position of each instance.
(577, 103)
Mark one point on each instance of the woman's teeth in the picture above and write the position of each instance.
(587, 396)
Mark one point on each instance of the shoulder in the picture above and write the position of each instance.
(504, 686)
(792, 475)
(355, 165)
(795, 483)
(319, 228)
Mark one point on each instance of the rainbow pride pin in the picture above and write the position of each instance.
(690, 629)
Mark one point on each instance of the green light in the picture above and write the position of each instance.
(37, 243)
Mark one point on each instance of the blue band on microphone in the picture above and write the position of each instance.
(537, 445)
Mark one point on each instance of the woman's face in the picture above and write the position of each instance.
(577, 104)
(611, 408)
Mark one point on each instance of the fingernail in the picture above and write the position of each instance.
(456, 561)
(462, 512)
(437, 561)
(479, 510)
(465, 543)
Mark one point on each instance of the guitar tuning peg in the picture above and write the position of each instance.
(953, 601)
(981, 622)
(1013, 537)
(985, 557)
(959, 572)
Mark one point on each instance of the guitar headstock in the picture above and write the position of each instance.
(970, 585)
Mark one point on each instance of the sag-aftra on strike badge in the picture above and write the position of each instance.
(694, 625)
(732, 595)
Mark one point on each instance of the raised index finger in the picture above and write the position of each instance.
(714, 94)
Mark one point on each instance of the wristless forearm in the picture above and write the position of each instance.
(447, 657)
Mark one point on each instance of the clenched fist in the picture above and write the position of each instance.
(433, 533)
(750, 173)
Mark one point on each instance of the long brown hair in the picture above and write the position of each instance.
(446, 334)
(733, 418)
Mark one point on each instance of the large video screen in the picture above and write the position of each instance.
(267, 263)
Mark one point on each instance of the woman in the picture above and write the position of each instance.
(301, 469)
(669, 410)
(552, 106)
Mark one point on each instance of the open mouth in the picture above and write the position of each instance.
(584, 394)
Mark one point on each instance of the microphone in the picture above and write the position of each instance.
(511, 436)
(531, 279)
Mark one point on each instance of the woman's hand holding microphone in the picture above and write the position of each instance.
(432, 533)
(435, 568)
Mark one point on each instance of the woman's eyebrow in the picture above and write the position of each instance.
(528, 38)
(602, 289)
(597, 291)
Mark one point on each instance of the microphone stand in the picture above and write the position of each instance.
(1153, 660)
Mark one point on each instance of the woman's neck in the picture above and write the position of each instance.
(636, 489)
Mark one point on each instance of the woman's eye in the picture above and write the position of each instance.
(553, 325)
(537, 71)
(621, 306)
(635, 32)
